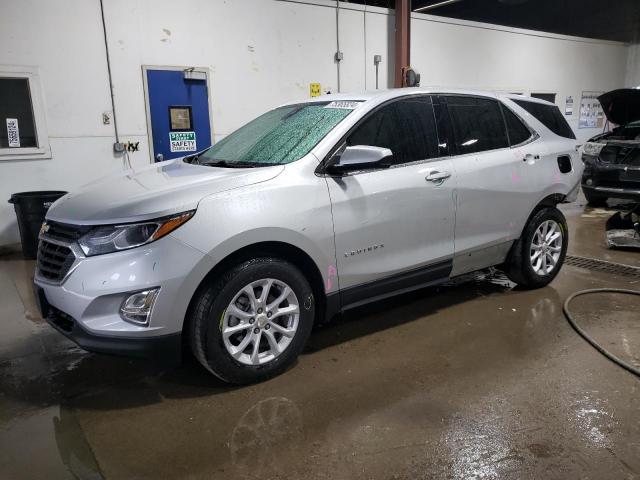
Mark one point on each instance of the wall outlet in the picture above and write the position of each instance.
(106, 118)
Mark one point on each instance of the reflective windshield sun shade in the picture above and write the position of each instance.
(280, 136)
(549, 116)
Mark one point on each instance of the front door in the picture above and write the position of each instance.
(394, 227)
(178, 111)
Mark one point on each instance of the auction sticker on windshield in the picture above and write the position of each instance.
(182, 141)
(342, 104)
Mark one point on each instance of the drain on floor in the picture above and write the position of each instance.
(602, 266)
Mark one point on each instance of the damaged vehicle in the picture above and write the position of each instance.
(612, 159)
(309, 210)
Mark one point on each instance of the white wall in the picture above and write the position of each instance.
(470, 55)
(260, 53)
(74, 85)
(633, 66)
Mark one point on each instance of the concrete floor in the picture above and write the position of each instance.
(470, 380)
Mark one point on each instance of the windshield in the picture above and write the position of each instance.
(280, 136)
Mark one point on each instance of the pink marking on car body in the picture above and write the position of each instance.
(331, 272)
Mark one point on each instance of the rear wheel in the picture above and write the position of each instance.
(536, 258)
(253, 322)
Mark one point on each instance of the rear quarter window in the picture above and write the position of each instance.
(518, 131)
(549, 116)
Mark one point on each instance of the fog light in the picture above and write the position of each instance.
(589, 182)
(137, 307)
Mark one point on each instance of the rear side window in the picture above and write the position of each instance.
(407, 127)
(549, 116)
(477, 124)
(518, 132)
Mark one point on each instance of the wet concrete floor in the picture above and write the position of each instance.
(476, 379)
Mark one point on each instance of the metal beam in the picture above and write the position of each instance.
(403, 42)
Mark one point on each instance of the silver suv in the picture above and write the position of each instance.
(310, 209)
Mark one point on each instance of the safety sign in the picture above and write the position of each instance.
(182, 141)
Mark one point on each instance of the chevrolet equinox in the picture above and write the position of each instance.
(311, 209)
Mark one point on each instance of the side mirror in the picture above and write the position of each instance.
(360, 157)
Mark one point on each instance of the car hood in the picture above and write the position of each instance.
(621, 106)
(154, 191)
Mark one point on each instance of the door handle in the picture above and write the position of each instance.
(437, 177)
(530, 156)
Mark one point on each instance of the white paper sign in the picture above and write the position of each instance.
(347, 105)
(13, 133)
(568, 106)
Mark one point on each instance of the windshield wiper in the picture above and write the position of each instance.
(226, 164)
(217, 163)
(192, 159)
(256, 164)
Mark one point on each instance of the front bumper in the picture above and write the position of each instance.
(612, 192)
(85, 306)
(165, 349)
(610, 179)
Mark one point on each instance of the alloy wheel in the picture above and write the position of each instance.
(260, 321)
(546, 247)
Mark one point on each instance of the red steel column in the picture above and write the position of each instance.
(403, 42)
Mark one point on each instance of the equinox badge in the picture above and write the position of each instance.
(370, 248)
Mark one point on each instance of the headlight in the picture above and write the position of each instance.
(593, 148)
(113, 238)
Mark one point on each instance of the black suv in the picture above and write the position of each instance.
(612, 159)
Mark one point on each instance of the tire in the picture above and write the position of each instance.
(521, 268)
(595, 200)
(208, 317)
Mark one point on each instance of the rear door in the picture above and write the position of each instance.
(394, 227)
(489, 178)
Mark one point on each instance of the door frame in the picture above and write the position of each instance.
(145, 69)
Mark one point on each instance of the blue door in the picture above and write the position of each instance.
(179, 111)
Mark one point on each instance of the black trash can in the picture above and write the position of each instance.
(31, 208)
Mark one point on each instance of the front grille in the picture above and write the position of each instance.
(618, 154)
(54, 261)
(55, 256)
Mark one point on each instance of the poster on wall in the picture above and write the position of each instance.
(591, 113)
(568, 106)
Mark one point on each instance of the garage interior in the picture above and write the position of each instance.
(475, 378)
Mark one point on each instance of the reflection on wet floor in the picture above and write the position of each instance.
(473, 379)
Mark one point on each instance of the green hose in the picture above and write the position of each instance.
(587, 337)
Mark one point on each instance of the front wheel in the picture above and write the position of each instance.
(252, 322)
(536, 258)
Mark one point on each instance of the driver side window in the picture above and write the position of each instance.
(407, 127)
